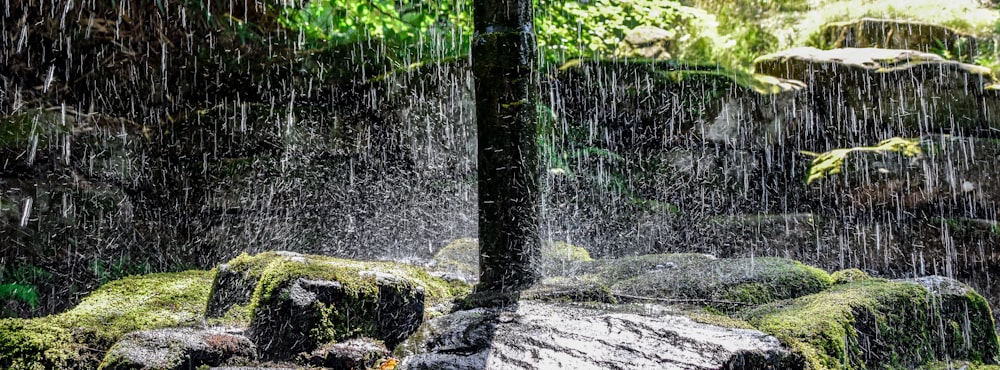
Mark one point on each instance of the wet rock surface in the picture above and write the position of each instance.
(177, 349)
(892, 324)
(299, 311)
(654, 311)
(351, 354)
(553, 336)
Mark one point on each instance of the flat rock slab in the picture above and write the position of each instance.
(557, 336)
(168, 349)
(864, 95)
(898, 34)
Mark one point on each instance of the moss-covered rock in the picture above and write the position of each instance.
(76, 338)
(883, 324)
(237, 287)
(302, 313)
(177, 349)
(695, 279)
(849, 276)
(294, 302)
(459, 259)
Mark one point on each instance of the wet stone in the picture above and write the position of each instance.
(177, 349)
(352, 354)
(300, 314)
(547, 336)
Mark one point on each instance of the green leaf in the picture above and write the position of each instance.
(832, 162)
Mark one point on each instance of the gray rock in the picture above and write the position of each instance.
(647, 42)
(864, 95)
(351, 354)
(898, 34)
(169, 349)
(555, 336)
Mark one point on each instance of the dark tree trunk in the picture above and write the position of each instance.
(504, 59)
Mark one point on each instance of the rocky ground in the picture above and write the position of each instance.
(692, 311)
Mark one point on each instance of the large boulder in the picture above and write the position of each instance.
(869, 323)
(647, 42)
(177, 349)
(560, 336)
(303, 313)
(899, 34)
(293, 303)
(864, 95)
(726, 284)
(459, 259)
(72, 339)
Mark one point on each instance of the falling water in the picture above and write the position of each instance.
(185, 148)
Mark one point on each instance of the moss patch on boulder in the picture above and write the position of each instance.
(459, 259)
(77, 338)
(881, 324)
(245, 280)
(724, 284)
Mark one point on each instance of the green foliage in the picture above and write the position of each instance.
(570, 152)
(832, 162)
(409, 28)
(589, 29)
(17, 292)
(20, 284)
(415, 31)
(117, 269)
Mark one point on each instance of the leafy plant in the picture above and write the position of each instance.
(586, 29)
(409, 28)
(19, 292)
(832, 162)
(415, 30)
(117, 269)
(19, 284)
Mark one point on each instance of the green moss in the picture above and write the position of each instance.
(461, 256)
(565, 252)
(74, 338)
(141, 302)
(958, 365)
(36, 344)
(714, 317)
(726, 284)
(271, 269)
(872, 323)
(850, 275)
